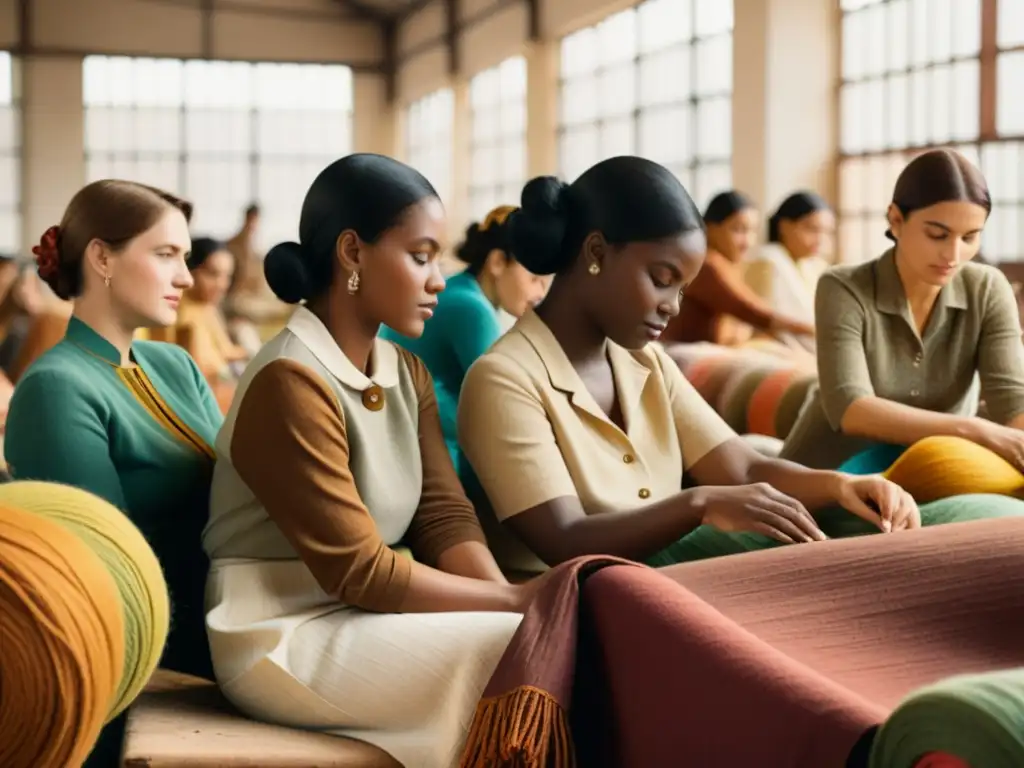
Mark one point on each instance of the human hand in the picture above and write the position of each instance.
(1004, 441)
(878, 501)
(759, 508)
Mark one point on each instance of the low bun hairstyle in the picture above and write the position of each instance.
(483, 237)
(112, 211)
(794, 208)
(365, 193)
(627, 199)
(939, 176)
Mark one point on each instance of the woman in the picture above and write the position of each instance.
(331, 462)
(719, 306)
(212, 267)
(466, 320)
(130, 421)
(580, 431)
(785, 272)
(901, 338)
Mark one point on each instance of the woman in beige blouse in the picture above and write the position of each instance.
(580, 430)
(901, 338)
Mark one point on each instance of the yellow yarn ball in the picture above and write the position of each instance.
(129, 560)
(61, 642)
(940, 467)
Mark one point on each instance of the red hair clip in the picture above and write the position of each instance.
(47, 253)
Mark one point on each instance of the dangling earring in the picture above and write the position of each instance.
(594, 268)
(106, 280)
(353, 283)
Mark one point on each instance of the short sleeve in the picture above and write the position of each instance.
(699, 427)
(55, 433)
(1001, 352)
(505, 432)
(843, 373)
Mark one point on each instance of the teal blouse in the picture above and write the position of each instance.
(140, 437)
(464, 326)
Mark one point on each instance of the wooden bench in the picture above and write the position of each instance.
(184, 722)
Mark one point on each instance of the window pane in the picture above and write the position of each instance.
(966, 96)
(1010, 105)
(708, 181)
(429, 139)
(617, 89)
(712, 17)
(579, 149)
(940, 115)
(664, 22)
(665, 135)
(617, 37)
(897, 112)
(966, 27)
(714, 66)
(714, 129)
(665, 76)
(1011, 23)
(898, 35)
(617, 137)
(579, 100)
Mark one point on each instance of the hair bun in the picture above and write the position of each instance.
(286, 273)
(537, 231)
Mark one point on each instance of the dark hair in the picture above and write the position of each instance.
(202, 249)
(794, 208)
(939, 176)
(113, 211)
(253, 209)
(483, 237)
(366, 193)
(725, 205)
(628, 199)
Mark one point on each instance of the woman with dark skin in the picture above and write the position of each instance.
(573, 408)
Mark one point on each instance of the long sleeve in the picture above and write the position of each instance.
(445, 517)
(1001, 352)
(717, 288)
(289, 445)
(55, 434)
(843, 372)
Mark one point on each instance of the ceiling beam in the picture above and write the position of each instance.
(364, 10)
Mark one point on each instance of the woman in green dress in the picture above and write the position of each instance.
(130, 421)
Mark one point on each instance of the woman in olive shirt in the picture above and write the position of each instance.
(901, 338)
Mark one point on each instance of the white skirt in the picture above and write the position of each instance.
(286, 653)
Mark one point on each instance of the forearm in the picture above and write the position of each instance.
(814, 488)
(889, 422)
(1017, 422)
(634, 534)
(434, 591)
(472, 560)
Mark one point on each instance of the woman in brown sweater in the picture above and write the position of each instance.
(718, 306)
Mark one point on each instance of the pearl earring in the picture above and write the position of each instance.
(594, 268)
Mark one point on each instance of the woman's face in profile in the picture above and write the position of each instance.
(735, 236)
(640, 286)
(517, 288)
(934, 242)
(810, 235)
(213, 277)
(401, 275)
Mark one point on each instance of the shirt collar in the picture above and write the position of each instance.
(630, 375)
(83, 336)
(892, 299)
(308, 329)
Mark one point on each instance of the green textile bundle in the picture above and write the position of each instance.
(977, 718)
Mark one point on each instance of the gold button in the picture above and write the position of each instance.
(645, 493)
(914, 393)
(628, 458)
(373, 398)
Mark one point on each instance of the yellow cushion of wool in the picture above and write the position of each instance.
(940, 467)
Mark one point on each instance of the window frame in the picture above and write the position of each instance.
(689, 170)
(978, 148)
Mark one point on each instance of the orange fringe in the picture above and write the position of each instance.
(524, 728)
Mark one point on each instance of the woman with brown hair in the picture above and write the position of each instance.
(901, 338)
(130, 421)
